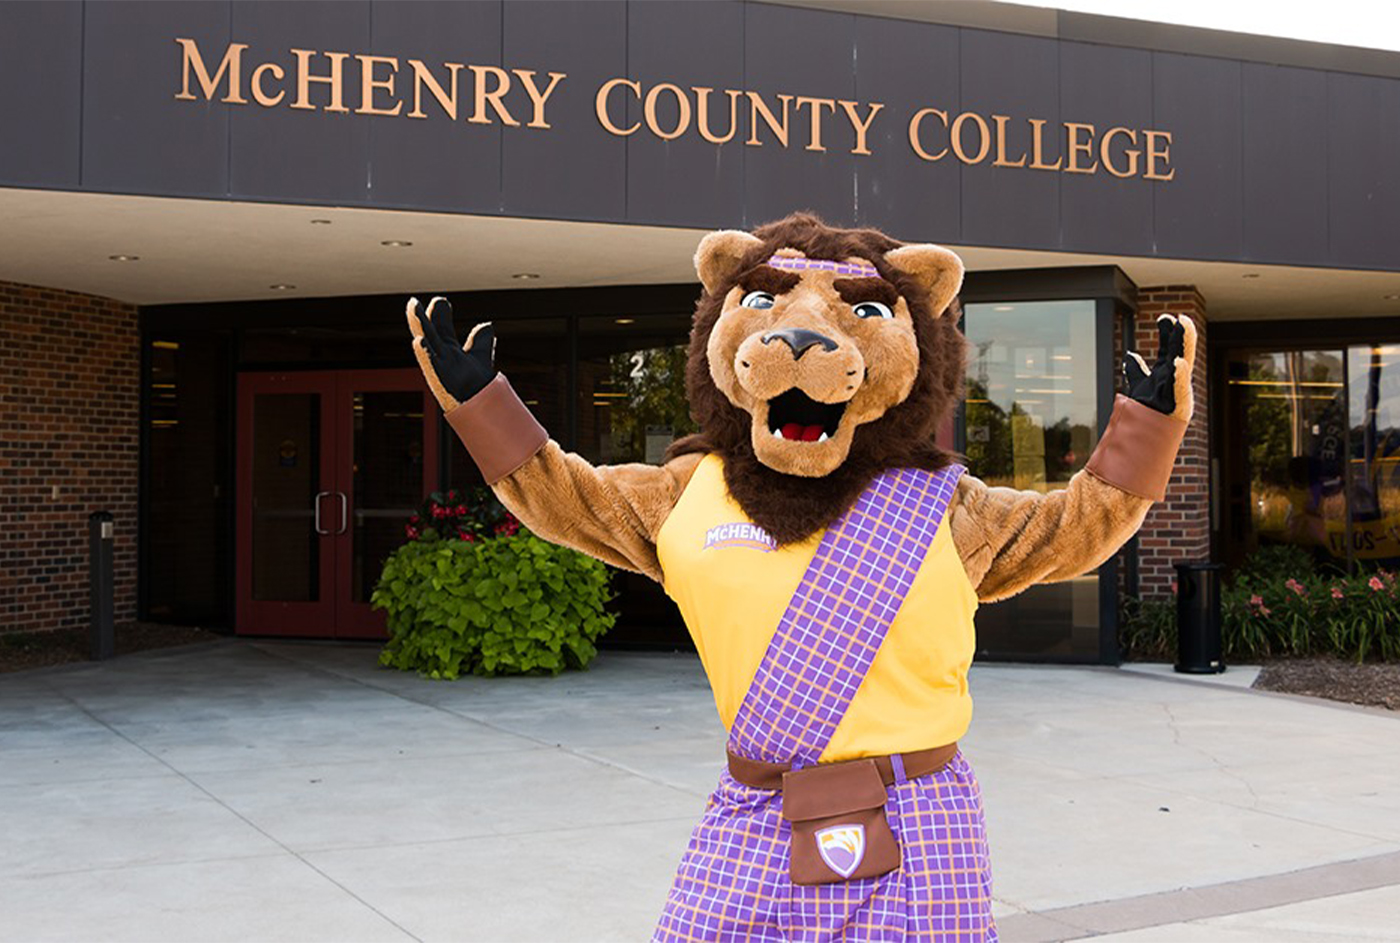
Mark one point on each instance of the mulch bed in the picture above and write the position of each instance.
(25, 650)
(1375, 685)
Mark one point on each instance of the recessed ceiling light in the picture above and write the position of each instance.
(1250, 275)
(1004, 308)
(320, 222)
(397, 243)
(124, 258)
(1392, 297)
(525, 276)
(624, 320)
(281, 287)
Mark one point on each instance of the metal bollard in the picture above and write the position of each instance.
(1198, 643)
(102, 627)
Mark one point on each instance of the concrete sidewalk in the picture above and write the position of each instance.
(283, 791)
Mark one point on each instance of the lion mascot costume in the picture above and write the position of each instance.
(827, 558)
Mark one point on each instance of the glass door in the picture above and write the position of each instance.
(330, 466)
(1312, 454)
(387, 460)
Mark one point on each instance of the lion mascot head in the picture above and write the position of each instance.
(820, 357)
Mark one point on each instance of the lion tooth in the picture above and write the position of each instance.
(777, 434)
(823, 437)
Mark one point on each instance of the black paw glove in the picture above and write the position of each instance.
(455, 374)
(1158, 387)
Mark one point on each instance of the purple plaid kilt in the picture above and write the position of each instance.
(733, 884)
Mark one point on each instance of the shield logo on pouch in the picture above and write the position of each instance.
(842, 847)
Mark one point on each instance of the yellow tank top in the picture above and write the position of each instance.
(732, 586)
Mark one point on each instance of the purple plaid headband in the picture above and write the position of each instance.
(854, 269)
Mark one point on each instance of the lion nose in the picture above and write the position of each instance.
(800, 340)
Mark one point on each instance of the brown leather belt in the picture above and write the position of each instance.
(761, 775)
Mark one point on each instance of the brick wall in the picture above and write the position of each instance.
(1177, 530)
(69, 423)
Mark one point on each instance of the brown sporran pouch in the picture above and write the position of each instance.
(839, 831)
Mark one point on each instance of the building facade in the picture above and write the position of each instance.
(213, 213)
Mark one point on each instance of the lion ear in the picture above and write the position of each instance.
(719, 255)
(936, 268)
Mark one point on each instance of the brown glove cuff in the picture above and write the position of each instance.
(498, 430)
(1137, 450)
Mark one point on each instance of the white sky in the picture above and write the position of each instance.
(1371, 23)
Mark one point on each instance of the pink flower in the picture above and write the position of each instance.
(461, 509)
(1297, 587)
(1337, 592)
(1173, 587)
(1256, 601)
(1376, 584)
(1265, 610)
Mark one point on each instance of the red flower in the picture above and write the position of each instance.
(461, 509)
(1337, 593)
(1297, 587)
(1376, 584)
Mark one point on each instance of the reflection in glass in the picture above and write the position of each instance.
(1374, 418)
(1293, 407)
(286, 475)
(1031, 422)
(388, 474)
(632, 388)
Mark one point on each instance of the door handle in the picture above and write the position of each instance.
(316, 505)
(344, 512)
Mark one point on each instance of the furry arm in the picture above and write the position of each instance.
(1010, 539)
(612, 512)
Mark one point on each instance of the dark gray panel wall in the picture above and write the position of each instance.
(907, 67)
(575, 169)
(1273, 164)
(1284, 161)
(686, 44)
(434, 162)
(40, 93)
(1363, 154)
(1018, 76)
(137, 138)
(1108, 87)
(292, 155)
(807, 53)
(1198, 213)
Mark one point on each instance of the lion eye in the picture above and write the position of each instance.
(757, 299)
(873, 309)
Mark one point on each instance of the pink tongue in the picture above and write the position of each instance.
(799, 433)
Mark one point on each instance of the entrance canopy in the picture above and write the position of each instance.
(149, 250)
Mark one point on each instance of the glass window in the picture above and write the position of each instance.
(1031, 422)
(1292, 406)
(534, 354)
(186, 491)
(631, 406)
(632, 402)
(1373, 373)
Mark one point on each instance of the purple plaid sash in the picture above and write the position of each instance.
(839, 617)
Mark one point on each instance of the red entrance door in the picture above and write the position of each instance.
(330, 466)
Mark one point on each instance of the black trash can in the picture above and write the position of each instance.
(1198, 618)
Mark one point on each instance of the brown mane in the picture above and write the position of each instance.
(789, 507)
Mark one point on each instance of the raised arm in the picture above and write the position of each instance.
(612, 512)
(1010, 539)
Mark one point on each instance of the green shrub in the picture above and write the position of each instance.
(1147, 629)
(513, 604)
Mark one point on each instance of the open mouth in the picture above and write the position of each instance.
(797, 417)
